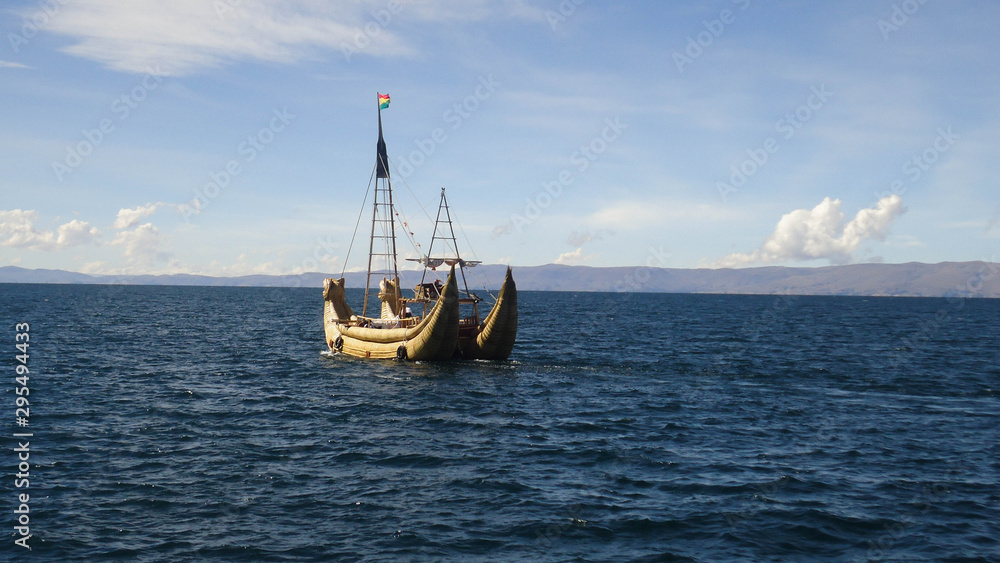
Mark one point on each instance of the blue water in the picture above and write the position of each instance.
(191, 424)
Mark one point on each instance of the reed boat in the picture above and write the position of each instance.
(448, 325)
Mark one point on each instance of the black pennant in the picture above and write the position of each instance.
(382, 165)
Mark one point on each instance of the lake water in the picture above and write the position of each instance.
(191, 424)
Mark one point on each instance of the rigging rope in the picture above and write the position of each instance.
(409, 234)
(409, 189)
(473, 251)
(358, 224)
(406, 229)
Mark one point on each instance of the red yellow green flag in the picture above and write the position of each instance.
(383, 101)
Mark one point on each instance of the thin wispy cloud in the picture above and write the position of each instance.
(636, 215)
(580, 238)
(190, 36)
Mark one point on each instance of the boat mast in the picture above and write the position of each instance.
(443, 206)
(383, 220)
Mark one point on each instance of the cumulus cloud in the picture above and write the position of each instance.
(574, 258)
(820, 233)
(17, 229)
(75, 233)
(186, 36)
(142, 244)
(128, 218)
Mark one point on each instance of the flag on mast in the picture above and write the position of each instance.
(382, 160)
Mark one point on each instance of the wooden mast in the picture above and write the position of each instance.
(443, 205)
(383, 219)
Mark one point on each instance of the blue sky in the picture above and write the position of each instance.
(232, 137)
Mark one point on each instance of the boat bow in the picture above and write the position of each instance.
(494, 337)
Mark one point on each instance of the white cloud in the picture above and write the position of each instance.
(8, 64)
(17, 229)
(469, 10)
(128, 218)
(187, 36)
(820, 233)
(75, 233)
(574, 258)
(142, 244)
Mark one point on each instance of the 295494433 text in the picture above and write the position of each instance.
(22, 415)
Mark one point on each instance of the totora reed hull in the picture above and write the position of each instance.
(494, 338)
(441, 335)
(435, 337)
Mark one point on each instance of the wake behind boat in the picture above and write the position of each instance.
(449, 325)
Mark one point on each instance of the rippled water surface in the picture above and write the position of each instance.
(190, 424)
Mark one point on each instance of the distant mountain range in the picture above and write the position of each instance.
(966, 279)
